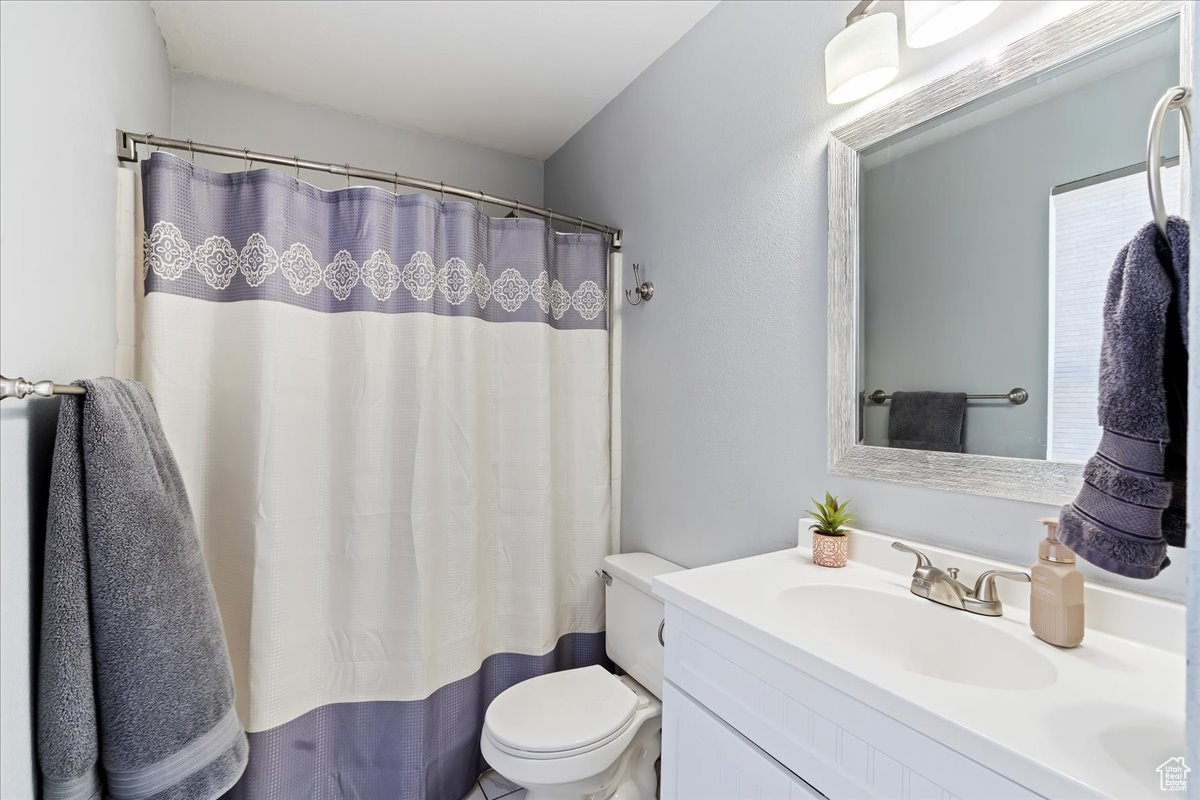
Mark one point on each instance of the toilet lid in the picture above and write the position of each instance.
(561, 711)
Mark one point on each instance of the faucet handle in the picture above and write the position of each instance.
(985, 585)
(922, 559)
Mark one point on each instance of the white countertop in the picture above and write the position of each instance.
(1099, 723)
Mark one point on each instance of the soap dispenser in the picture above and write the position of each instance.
(1056, 599)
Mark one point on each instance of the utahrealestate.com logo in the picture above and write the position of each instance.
(1172, 775)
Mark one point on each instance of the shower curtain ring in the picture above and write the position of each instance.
(296, 161)
(395, 183)
(479, 202)
(443, 185)
(246, 158)
(347, 175)
(580, 225)
(191, 151)
(150, 136)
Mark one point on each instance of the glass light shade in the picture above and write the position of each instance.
(927, 22)
(863, 58)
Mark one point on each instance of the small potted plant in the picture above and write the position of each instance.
(830, 537)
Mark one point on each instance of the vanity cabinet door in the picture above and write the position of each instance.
(705, 759)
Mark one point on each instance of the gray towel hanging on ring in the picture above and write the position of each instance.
(1131, 505)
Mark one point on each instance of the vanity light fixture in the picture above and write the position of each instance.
(928, 22)
(864, 57)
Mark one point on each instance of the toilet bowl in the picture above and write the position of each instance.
(586, 733)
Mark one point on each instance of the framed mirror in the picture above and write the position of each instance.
(972, 227)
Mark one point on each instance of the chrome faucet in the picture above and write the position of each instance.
(943, 586)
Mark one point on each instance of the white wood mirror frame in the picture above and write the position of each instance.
(1015, 478)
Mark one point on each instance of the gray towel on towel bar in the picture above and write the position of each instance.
(135, 695)
(928, 421)
(1131, 505)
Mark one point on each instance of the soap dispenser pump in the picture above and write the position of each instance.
(1056, 598)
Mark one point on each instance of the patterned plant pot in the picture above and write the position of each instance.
(829, 551)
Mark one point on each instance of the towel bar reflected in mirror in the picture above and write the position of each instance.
(1015, 396)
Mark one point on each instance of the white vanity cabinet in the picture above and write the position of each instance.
(782, 675)
(739, 724)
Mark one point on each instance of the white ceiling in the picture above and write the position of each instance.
(513, 75)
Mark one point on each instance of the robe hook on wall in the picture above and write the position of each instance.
(644, 289)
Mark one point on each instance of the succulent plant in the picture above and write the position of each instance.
(830, 517)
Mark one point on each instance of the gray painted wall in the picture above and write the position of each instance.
(70, 74)
(956, 248)
(713, 160)
(221, 113)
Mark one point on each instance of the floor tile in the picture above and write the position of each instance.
(476, 793)
(496, 786)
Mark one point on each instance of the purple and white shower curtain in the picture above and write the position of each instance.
(393, 417)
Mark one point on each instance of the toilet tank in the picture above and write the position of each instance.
(633, 615)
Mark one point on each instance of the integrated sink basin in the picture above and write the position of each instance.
(918, 636)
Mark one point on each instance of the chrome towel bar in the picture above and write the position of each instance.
(21, 388)
(1015, 396)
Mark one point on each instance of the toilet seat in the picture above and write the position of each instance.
(585, 763)
(561, 714)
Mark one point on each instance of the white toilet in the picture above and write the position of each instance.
(585, 733)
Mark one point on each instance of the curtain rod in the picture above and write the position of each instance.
(127, 151)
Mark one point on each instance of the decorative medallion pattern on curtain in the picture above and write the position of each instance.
(392, 417)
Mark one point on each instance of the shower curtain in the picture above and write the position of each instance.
(392, 415)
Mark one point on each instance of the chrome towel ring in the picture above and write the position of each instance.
(1178, 97)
